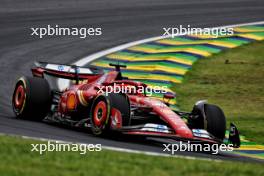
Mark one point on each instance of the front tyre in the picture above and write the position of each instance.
(100, 113)
(216, 121)
(209, 117)
(31, 98)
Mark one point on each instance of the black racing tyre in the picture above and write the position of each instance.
(31, 98)
(101, 111)
(100, 114)
(121, 102)
(209, 117)
(216, 121)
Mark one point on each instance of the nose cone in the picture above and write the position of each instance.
(184, 132)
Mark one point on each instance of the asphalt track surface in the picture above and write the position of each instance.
(121, 21)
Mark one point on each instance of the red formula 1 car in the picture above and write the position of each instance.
(84, 103)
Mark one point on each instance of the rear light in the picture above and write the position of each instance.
(71, 101)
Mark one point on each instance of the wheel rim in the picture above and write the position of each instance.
(19, 98)
(100, 114)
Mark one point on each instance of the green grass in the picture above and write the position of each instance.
(236, 86)
(17, 159)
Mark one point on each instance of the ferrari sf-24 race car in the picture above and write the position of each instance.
(81, 104)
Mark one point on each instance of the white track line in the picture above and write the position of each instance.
(92, 57)
(118, 149)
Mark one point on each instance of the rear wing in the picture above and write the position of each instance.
(72, 72)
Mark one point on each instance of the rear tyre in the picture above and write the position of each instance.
(31, 98)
